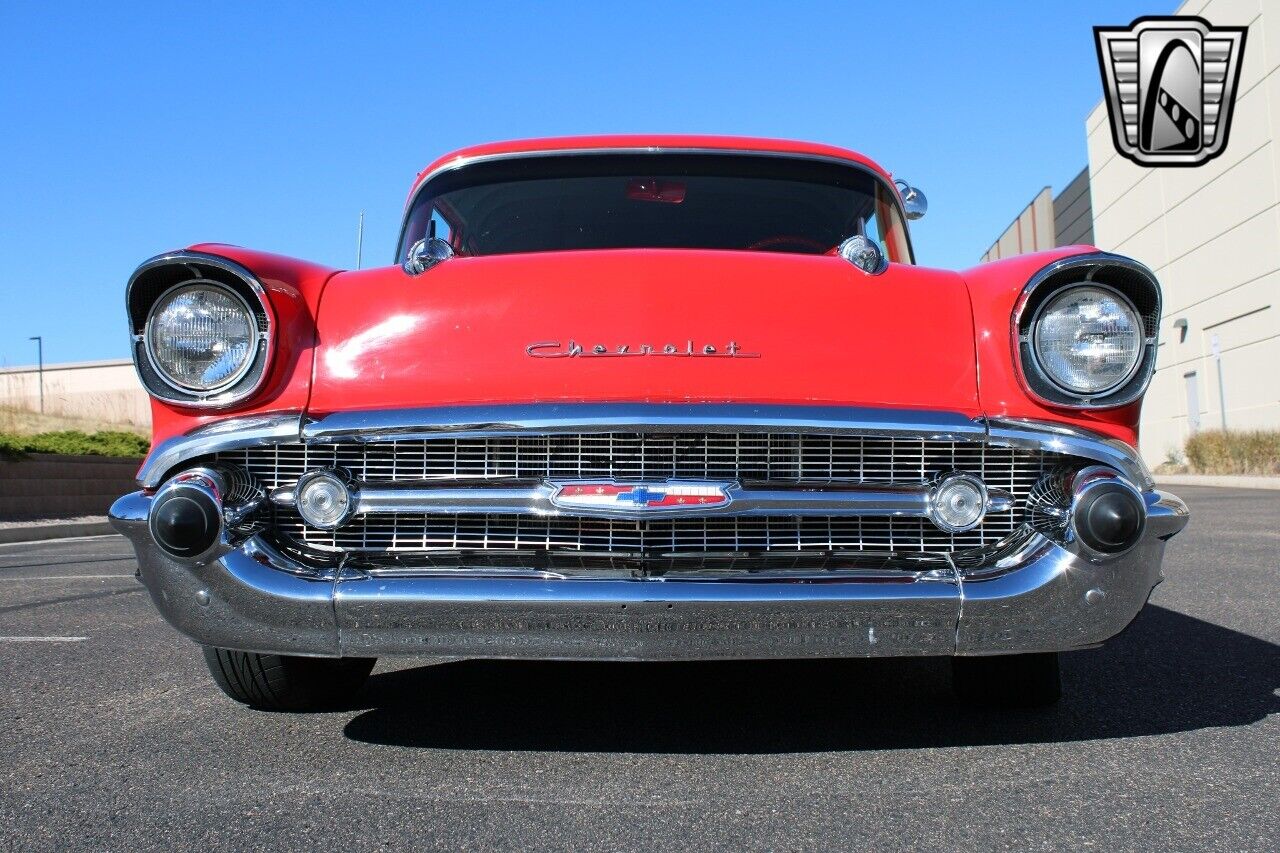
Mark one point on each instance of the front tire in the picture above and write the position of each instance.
(285, 683)
(1013, 681)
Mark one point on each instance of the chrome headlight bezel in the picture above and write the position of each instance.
(1140, 291)
(1037, 319)
(160, 277)
(157, 363)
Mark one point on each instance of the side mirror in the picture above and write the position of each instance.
(425, 254)
(914, 204)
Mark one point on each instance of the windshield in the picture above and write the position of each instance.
(657, 201)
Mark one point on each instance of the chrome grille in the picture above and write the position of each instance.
(656, 537)
(777, 458)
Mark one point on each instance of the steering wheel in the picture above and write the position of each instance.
(789, 240)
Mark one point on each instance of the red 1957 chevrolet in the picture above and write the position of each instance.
(645, 398)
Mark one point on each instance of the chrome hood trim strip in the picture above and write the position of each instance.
(229, 434)
(449, 421)
(1072, 441)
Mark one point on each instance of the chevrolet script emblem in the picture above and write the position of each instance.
(1170, 88)
(640, 498)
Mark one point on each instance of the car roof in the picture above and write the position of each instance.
(646, 142)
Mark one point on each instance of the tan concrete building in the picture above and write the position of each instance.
(105, 391)
(1049, 221)
(1030, 232)
(1212, 236)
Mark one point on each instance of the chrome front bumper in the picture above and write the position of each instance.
(1042, 596)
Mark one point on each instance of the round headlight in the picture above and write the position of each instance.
(201, 337)
(1088, 339)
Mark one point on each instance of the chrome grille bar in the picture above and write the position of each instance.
(539, 499)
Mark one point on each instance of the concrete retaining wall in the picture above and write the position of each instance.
(50, 486)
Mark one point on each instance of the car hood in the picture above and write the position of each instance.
(645, 326)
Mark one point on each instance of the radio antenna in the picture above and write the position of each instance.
(360, 240)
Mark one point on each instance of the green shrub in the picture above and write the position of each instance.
(1219, 452)
(73, 443)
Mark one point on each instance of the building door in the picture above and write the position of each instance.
(1193, 402)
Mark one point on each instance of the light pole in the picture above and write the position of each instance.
(39, 365)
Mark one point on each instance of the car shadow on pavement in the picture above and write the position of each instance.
(1167, 673)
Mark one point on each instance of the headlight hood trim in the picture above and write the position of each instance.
(1128, 277)
(145, 290)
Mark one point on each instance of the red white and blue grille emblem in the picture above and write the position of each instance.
(640, 497)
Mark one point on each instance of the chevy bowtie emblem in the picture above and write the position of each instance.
(1170, 88)
(639, 498)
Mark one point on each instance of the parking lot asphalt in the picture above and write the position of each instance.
(114, 737)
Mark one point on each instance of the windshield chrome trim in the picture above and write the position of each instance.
(462, 162)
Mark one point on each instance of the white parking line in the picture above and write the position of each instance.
(43, 639)
(63, 578)
(39, 542)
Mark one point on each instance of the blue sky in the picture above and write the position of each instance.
(131, 129)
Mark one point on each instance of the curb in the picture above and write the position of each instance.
(1233, 481)
(56, 530)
